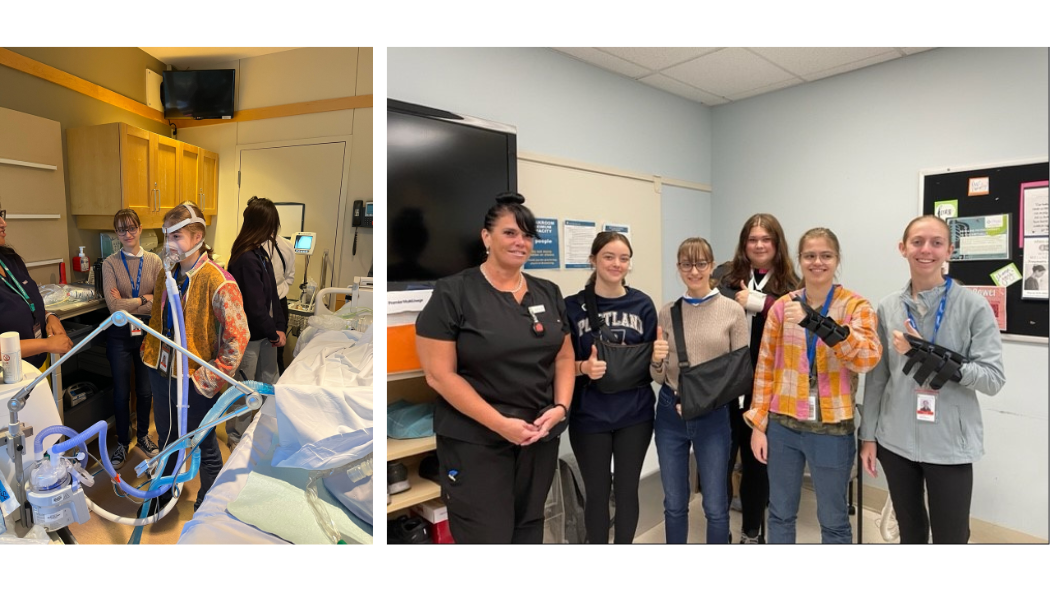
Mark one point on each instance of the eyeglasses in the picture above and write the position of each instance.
(127, 231)
(825, 257)
(3, 214)
(700, 266)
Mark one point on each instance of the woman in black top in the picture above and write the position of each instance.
(494, 344)
(250, 265)
(22, 307)
(760, 272)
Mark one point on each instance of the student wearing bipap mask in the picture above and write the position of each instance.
(760, 272)
(128, 279)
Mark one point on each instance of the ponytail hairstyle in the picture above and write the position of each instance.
(512, 203)
(602, 239)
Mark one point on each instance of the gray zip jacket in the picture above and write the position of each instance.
(890, 398)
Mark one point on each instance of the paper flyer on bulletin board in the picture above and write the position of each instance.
(624, 229)
(980, 238)
(996, 297)
(1036, 264)
(579, 235)
(545, 248)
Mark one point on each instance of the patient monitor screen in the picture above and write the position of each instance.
(304, 242)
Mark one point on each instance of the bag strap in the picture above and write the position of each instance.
(679, 334)
(597, 323)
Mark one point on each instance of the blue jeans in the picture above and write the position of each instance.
(710, 438)
(830, 459)
(165, 415)
(122, 349)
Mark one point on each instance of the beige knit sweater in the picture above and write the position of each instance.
(713, 328)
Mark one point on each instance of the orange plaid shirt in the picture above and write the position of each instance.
(782, 375)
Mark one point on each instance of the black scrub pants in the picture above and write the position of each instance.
(754, 481)
(949, 488)
(498, 492)
(594, 452)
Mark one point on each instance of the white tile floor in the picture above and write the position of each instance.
(807, 528)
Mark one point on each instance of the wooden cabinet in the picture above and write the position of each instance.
(405, 381)
(117, 166)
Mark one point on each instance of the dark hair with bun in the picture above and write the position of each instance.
(512, 203)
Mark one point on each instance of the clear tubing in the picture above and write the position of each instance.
(324, 520)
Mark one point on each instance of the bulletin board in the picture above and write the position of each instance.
(992, 190)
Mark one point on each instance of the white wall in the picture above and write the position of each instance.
(290, 77)
(845, 153)
(565, 108)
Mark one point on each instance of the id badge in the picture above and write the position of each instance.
(926, 406)
(135, 331)
(812, 408)
(36, 331)
(165, 359)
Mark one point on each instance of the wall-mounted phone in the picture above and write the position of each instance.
(362, 217)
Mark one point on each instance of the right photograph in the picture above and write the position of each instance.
(723, 295)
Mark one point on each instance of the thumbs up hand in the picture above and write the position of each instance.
(593, 367)
(660, 347)
(742, 295)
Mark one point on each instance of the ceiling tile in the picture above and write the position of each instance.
(658, 58)
(913, 50)
(728, 72)
(878, 59)
(604, 60)
(683, 90)
(802, 61)
(765, 89)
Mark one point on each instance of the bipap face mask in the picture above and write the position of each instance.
(173, 253)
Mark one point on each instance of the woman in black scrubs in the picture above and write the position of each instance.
(494, 343)
(22, 307)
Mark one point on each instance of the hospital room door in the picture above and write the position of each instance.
(309, 173)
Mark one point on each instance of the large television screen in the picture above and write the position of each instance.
(443, 174)
(198, 94)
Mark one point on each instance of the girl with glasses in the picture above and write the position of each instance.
(816, 340)
(713, 325)
(128, 279)
(608, 427)
(759, 273)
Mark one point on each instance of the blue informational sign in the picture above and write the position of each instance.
(545, 249)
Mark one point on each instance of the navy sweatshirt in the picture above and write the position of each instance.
(633, 318)
(254, 274)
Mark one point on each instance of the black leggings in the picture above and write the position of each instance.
(754, 482)
(949, 488)
(594, 451)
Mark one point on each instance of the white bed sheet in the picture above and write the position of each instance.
(212, 524)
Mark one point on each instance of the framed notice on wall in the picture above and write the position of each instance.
(998, 225)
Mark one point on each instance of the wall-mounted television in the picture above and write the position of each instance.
(444, 171)
(198, 94)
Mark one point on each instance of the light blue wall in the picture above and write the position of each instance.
(845, 153)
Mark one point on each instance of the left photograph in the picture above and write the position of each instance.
(174, 369)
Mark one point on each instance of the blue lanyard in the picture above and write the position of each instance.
(15, 287)
(940, 311)
(698, 301)
(138, 281)
(811, 337)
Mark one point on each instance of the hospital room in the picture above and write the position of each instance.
(611, 270)
(186, 246)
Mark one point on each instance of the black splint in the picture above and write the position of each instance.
(829, 331)
(943, 364)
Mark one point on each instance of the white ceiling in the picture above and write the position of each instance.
(196, 57)
(718, 75)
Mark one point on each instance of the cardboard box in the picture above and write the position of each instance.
(433, 511)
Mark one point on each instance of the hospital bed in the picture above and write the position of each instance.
(330, 376)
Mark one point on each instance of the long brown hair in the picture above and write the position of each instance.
(783, 277)
(261, 225)
(179, 214)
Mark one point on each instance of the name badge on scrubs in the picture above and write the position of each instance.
(926, 405)
(37, 332)
(537, 309)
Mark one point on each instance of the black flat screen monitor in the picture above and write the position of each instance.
(443, 174)
(198, 94)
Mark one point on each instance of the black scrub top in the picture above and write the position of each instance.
(14, 312)
(497, 352)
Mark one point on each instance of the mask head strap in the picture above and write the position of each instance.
(193, 219)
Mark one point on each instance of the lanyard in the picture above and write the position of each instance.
(698, 301)
(138, 280)
(940, 311)
(811, 337)
(15, 287)
(752, 286)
